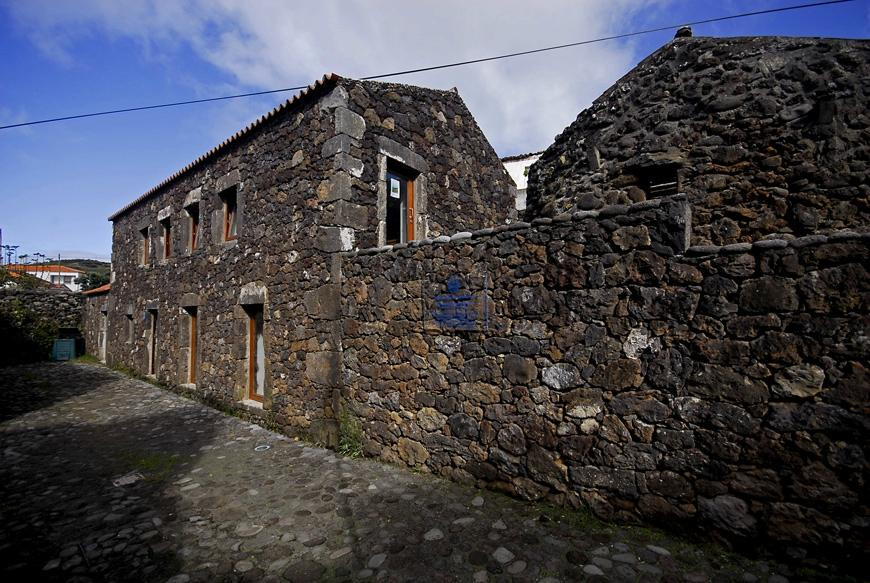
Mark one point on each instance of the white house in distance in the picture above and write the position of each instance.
(54, 274)
(518, 168)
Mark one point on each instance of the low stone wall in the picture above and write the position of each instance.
(592, 359)
(30, 320)
(59, 306)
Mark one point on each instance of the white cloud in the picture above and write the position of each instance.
(521, 103)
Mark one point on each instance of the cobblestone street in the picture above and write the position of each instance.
(105, 478)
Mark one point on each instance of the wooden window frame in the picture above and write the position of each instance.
(145, 255)
(231, 213)
(166, 226)
(193, 224)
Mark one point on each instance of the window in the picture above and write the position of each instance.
(193, 235)
(166, 227)
(55, 279)
(130, 328)
(67, 279)
(231, 213)
(192, 339)
(400, 206)
(659, 181)
(256, 353)
(146, 246)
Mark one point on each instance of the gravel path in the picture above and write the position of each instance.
(104, 478)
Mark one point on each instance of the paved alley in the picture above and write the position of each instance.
(105, 478)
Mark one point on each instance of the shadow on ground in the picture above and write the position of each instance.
(223, 500)
(67, 433)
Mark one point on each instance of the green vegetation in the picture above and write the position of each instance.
(92, 280)
(350, 435)
(87, 265)
(20, 280)
(156, 467)
(87, 359)
(24, 335)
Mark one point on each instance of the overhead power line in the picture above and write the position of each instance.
(437, 67)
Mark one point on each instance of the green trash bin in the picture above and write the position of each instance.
(63, 349)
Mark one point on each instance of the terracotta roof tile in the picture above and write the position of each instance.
(42, 268)
(106, 288)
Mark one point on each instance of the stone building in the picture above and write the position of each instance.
(765, 135)
(518, 168)
(224, 274)
(678, 334)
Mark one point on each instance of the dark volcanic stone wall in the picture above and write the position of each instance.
(720, 388)
(63, 308)
(308, 182)
(769, 135)
(91, 313)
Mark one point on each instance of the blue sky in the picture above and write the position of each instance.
(61, 181)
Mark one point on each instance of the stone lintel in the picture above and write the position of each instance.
(193, 197)
(190, 301)
(252, 294)
(228, 180)
(400, 153)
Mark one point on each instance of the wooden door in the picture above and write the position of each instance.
(400, 208)
(256, 355)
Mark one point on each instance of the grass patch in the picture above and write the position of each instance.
(156, 467)
(576, 518)
(86, 359)
(350, 435)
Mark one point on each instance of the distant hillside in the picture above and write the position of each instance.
(87, 265)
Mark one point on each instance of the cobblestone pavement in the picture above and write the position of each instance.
(208, 497)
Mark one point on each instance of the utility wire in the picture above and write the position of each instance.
(437, 67)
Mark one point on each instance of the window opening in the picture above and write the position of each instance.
(231, 212)
(193, 217)
(660, 181)
(400, 207)
(167, 238)
(146, 246)
(256, 353)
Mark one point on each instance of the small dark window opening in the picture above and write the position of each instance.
(231, 212)
(400, 219)
(129, 327)
(146, 246)
(167, 238)
(193, 215)
(659, 181)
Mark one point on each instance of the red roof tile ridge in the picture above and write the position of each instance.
(106, 287)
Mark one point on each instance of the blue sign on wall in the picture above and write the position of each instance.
(458, 309)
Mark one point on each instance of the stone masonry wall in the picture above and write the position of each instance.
(767, 136)
(594, 359)
(307, 189)
(62, 307)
